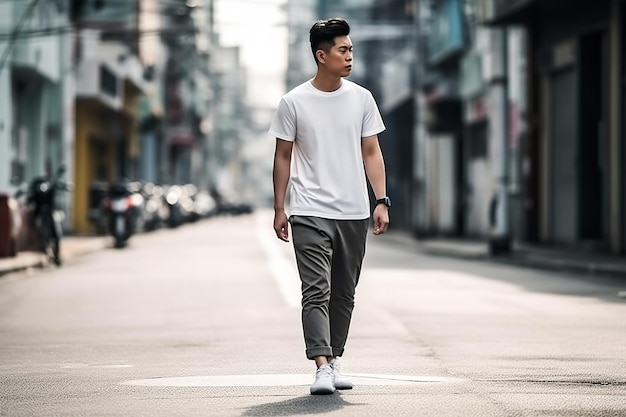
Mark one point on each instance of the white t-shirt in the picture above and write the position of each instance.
(327, 174)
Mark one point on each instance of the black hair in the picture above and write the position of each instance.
(323, 33)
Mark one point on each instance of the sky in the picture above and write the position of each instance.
(257, 26)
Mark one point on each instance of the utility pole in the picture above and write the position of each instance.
(500, 239)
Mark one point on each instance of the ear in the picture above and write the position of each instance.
(321, 56)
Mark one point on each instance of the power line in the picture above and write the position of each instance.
(72, 29)
(59, 30)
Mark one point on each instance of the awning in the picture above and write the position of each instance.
(505, 12)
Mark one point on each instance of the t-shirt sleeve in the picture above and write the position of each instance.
(372, 120)
(284, 122)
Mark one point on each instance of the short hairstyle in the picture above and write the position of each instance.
(323, 33)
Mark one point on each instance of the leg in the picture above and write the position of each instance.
(321, 360)
(313, 249)
(349, 249)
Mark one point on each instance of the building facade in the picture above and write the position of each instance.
(109, 83)
(505, 117)
(36, 97)
(574, 180)
(382, 33)
(34, 77)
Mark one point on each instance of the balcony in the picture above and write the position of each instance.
(34, 55)
(38, 55)
(106, 69)
(96, 80)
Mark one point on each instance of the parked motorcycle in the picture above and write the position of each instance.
(47, 219)
(121, 211)
(98, 191)
(155, 212)
(173, 200)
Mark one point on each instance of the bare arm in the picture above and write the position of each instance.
(282, 166)
(375, 169)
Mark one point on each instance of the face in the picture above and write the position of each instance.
(339, 59)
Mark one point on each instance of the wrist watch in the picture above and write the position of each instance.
(385, 200)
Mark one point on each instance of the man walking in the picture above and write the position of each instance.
(330, 125)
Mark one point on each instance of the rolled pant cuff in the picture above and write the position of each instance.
(337, 352)
(319, 351)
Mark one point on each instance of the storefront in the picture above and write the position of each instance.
(576, 137)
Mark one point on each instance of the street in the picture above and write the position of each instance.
(204, 321)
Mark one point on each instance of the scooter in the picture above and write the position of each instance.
(155, 212)
(47, 219)
(119, 205)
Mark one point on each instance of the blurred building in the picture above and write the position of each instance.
(187, 90)
(230, 118)
(136, 90)
(472, 88)
(390, 63)
(37, 86)
(144, 91)
(573, 149)
(300, 61)
(109, 83)
(443, 43)
(504, 116)
(180, 44)
(462, 121)
(153, 54)
(382, 33)
(35, 89)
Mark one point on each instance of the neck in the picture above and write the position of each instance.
(326, 82)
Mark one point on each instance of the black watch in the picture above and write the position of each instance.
(385, 200)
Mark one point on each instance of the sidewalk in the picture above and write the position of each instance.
(71, 247)
(554, 259)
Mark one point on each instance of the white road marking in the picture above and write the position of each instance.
(284, 271)
(284, 380)
(101, 366)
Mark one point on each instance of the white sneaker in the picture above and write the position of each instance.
(340, 381)
(323, 383)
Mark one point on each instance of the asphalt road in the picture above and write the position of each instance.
(204, 321)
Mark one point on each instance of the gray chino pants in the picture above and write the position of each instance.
(329, 254)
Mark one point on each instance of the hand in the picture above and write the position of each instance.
(381, 219)
(281, 225)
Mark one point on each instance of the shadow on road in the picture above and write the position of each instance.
(310, 404)
(390, 254)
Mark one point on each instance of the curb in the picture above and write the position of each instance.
(565, 265)
(26, 260)
(519, 257)
(539, 262)
(71, 248)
